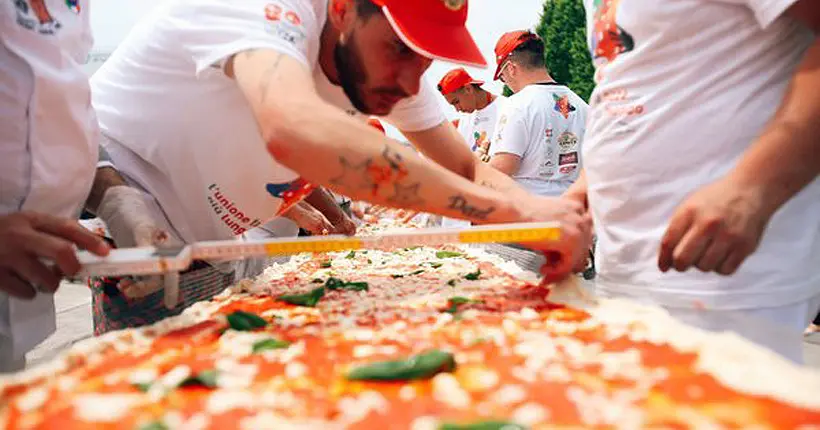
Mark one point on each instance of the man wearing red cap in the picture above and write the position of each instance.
(703, 152)
(466, 95)
(225, 113)
(541, 127)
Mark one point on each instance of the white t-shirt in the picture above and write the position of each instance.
(478, 127)
(183, 130)
(544, 125)
(48, 132)
(684, 89)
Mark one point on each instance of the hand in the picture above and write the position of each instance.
(27, 237)
(125, 211)
(344, 225)
(312, 220)
(576, 235)
(715, 228)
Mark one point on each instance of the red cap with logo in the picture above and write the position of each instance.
(434, 28)
(375, 123)
(507, 44)
(455, 80)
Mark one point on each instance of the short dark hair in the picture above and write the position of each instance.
(529, 54)
(366, 9)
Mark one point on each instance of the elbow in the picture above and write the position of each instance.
(279, 130)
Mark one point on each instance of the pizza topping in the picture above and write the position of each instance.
(309, 299)
(325, 264)
(530, 414)
(407, 393)
(221, 401)
(269, 344)
(448, 254)
(451, 282)
(245, 321)
(104, 408)
(154, 425)
(355, 409)
(421, 366)
(407, 274)
(484, 425)
(473, 276)
(337, 284)
(32, 399)
(510, 394)
(447, 390)
(351, 255)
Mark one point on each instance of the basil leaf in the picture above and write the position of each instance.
(317, 281)
(206, 378)
(448, 254)
(451, 282)
(485, 425)
(324, 264)
(143, 386)
(397, 276)
(412, 248)
(309, 299)
(369, 261)
(458, 300)
(417, 272)
(269, 344)
(338, 284)
(473, 276)
(245, 321)
(421, 366)
(155, 425)
(436, 265)
(351, 255)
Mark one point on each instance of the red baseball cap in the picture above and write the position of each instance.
(375, 123)
(434, 28)
(507, 44)
(456, 79)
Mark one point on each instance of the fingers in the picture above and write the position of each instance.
(681, 221)
(53, 248)
(16, 287)
(32, 270)
(71, 231)
(715, 255)
(732, 263)
(693, 245)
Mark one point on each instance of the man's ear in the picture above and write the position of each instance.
(342, 14)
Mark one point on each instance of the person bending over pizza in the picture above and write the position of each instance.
(209, 107)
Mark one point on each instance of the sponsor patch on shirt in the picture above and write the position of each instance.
(568, 169)
(562, 105)
(567, 142)
(571, 158)
(284, 23)
(35, 15)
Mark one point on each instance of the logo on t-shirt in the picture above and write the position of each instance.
(34, 15)
(567, 141)
(562, 105)
(608, 39)
(571, 158)
(283, 23)
(481, 140)
(568, 169)
(290, 192)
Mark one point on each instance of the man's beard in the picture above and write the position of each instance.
(351, 74)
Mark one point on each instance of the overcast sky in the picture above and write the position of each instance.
(488, 19)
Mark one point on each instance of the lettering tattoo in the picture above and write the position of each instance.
(459, 203)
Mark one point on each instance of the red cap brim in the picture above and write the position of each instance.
(447, 42)
(498, 71)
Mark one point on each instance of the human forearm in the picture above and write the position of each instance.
(104, 178)
(329, 148)
(786, 157)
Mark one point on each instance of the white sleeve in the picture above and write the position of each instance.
(465, 125)
(213, 32)
(766, 11)
(418, 113)
(511, 132)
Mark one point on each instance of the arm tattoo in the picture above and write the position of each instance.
(267, 77)
(459, 203)
(377, 175)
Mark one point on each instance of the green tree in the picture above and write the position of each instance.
(563, 28)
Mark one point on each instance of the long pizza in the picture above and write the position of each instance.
(418, 338)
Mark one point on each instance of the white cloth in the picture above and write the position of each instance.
(48, 137)
(543, 124)
(183, 130)
(683, 90)
(477, 129)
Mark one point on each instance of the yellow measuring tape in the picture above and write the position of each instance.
(511, 236)
(296, 247)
